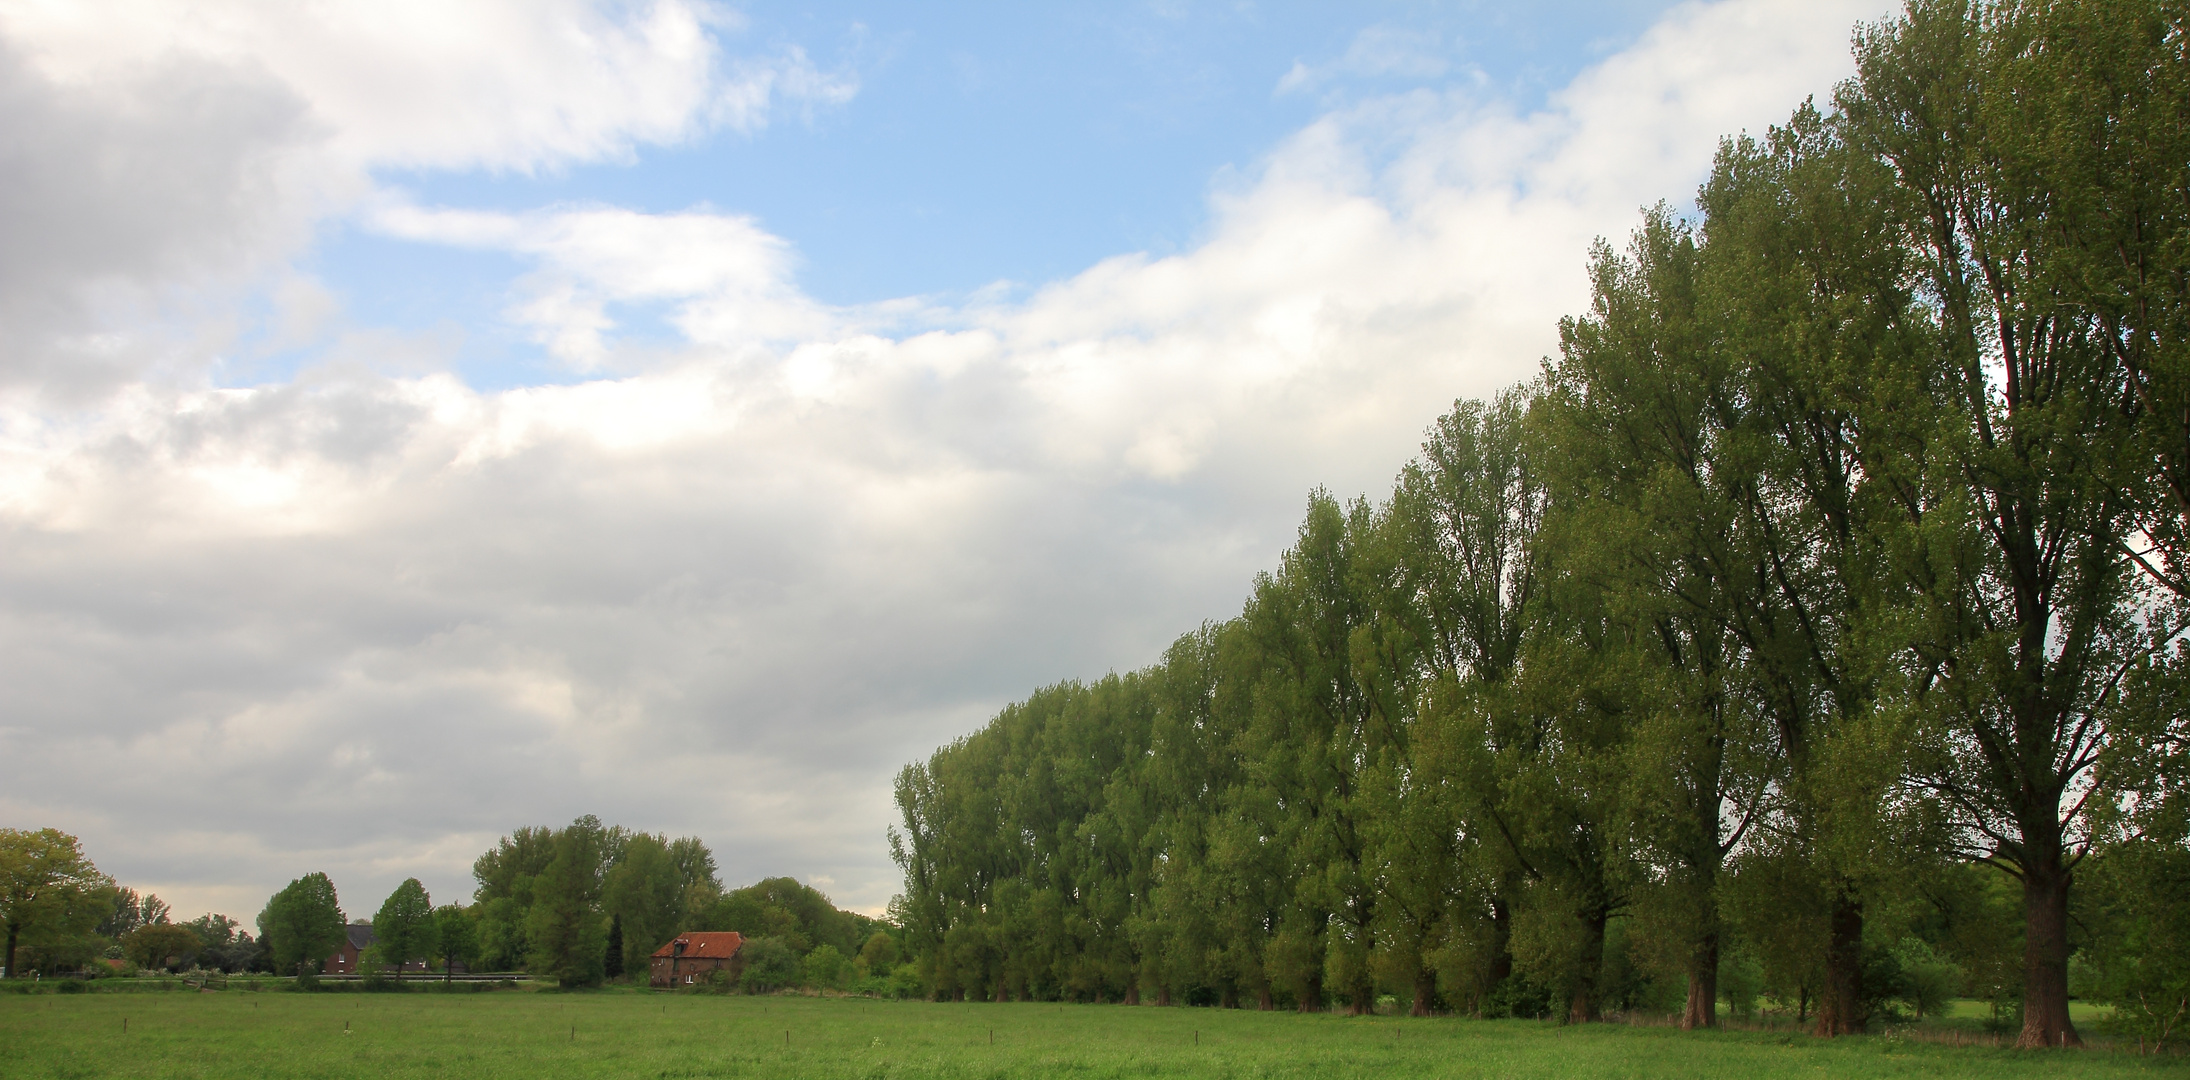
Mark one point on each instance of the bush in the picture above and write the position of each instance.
(904, 983)
(1517, 997)
(826, 968)
(2138, 957)
(1741, 979)
(1928, 981)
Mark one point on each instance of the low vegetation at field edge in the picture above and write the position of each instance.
(626, 1033)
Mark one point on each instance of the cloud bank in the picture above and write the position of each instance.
(365, 621)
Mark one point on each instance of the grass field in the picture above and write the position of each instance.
(540, 1035)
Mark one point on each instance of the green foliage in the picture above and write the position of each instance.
(1928, 982)
(131, 911)
(48, 890)
(224, 947)
(1741, 981)
(302, 925)
(646, 893)
(405, 929)
(161, 945)
(565, 929)
(455, 936)
(827, 969)
(771, 964)
(652, 887)
(787, 911)
(878, 955)
(2139, 950)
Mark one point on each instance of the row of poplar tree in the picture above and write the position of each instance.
(1836, 560)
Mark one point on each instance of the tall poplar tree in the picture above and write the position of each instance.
(566, 929)
(2028, 623)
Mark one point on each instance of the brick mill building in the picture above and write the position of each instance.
(691, 958)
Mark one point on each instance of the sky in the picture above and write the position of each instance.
(422, 420)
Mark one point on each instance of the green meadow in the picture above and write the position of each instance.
(621, 1033)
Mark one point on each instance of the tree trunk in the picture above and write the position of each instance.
(1584, 1007)
(15, 930)
(1163, 996)
(1702, 1010)
(2045, 956)
(1425, 993)
(1133, 993)
(1262, 1000)
(1840, 1001)
(1311, 993)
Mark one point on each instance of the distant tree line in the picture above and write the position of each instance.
(60, 914)
(1811, 628)
(582, 905)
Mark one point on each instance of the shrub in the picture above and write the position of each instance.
(1928, 982)
(1741, 979)
(904, 982)
(375, 982)
(1518, 997)
(826, 968)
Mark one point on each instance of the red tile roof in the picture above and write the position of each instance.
(719, 945)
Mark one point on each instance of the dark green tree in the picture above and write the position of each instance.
(405, 929)
(645, 897)
(160, 945)
(302, 925)
(48, 889)
(567, 932)
(455, 938)
(2016, 538)
(502, 903)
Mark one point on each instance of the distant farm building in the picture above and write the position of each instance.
(692, 958)
(359, 937)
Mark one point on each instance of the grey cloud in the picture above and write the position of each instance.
(705, 638)
(110, 196)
